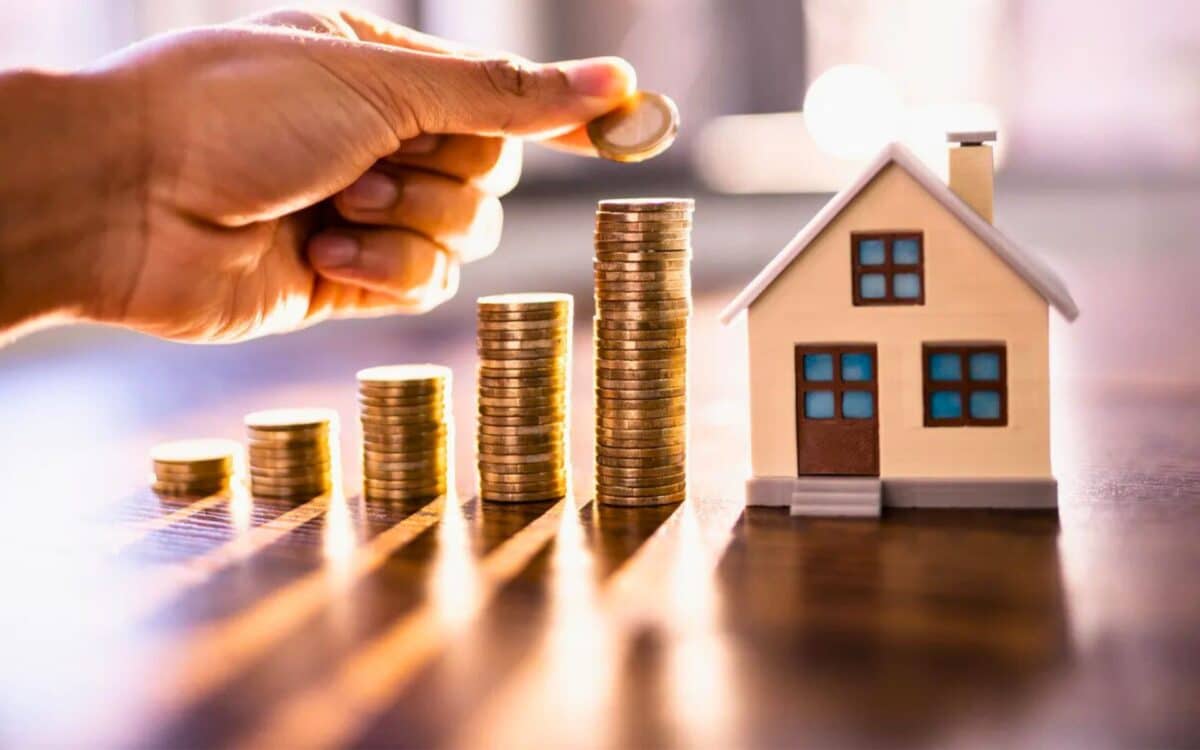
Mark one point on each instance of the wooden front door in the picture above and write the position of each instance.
(837, 409)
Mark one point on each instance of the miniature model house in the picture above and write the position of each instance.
(899, 349)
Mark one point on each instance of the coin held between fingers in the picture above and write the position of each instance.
(642, 127)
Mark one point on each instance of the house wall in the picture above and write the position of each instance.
(970, 295)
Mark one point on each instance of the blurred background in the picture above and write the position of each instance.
(1097, 104)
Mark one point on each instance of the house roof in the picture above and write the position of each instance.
(1026, 264)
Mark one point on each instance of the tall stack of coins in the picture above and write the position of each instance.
(289, 451)
(643, 301)
(405, 422)
(193, 468)
(524, 359)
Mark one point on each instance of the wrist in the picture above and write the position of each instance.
(69, 195)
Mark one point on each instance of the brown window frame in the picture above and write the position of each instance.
(888, 268)
(837, 385)
(965, 386)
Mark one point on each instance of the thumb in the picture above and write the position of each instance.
(437, 93)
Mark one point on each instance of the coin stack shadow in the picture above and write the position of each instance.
(406, 431)
(193, 468)
(643, 302)
(523, 341)
(290, 453)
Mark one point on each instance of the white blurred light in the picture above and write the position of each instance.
(852, 111)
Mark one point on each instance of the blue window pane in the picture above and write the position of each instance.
(818, 404)
(858, 405)
(872, 285)
(985, 404)
(870, 252)
(945, 366)
(984, 366)
(818, 367)
(906, 252)
(856, 366)
(945, 405)
(906, 285)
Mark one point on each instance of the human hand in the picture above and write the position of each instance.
(301, 166)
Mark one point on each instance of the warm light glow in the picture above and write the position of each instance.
(700, 693)
(852, 111)
(455, 590)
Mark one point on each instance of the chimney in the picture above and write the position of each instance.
(971, 169)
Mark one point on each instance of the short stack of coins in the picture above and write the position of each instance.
(193, 468)
(406, 431)
(289, 451)
(524, 346)
(643, 302)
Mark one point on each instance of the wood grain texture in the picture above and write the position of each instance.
(704, 625)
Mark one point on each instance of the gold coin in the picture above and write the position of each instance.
(520, 458)
(403, 485)
(506, 412)
(189, 489)
(642, 126)
(420, 377)
(290, 420)
(653, 409)
(639, 277)
(605, 325)
(556, 379)
(673, 357)
(646, 204)
(641, 502)
(670, 451)
(639, 395)
(521, 484)
(520, 420)
(521, 392)
(523, 301)
(605, 225)
(484, 441)
(541, 366)
(490, 489)
(640, 424)
(520, 497)
(553, 461)
(677, 264)
(643, 490)
(645, 315)
(669, 215)
(197, 453)
(553, 427)
(379, 404)
(423, 413)
(552, 336)
(650, 234)
(556, 475)
(526, 449)
(659, 462)
(552, 344)
(616, 473)
(385, 462)
(415, 390)
(615, 385)
(552, 323)
(384, 496)
(185, 473)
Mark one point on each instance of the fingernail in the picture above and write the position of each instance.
(332, 250)
(372, 191)
(603, 77)
(425, 143)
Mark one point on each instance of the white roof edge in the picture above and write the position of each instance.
(1027, 265)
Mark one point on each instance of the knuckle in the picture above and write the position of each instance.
(510, 77)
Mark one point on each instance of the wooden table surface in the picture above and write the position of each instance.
(232, 621)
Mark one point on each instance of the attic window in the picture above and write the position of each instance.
(888, 268)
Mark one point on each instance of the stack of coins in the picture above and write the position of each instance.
(406, 431)
(193, 468)
(290, 453)
(643, 301)
(524, 359)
